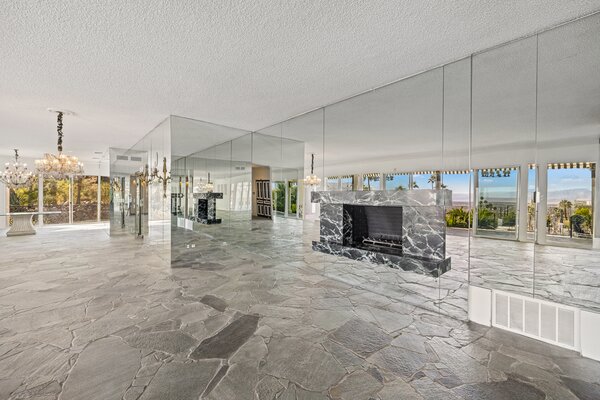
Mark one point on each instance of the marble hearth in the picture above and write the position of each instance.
(401, 229)
(206, 209)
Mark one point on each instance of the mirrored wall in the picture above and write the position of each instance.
(513, 132)
(140, 189)
(222, 190)
(505, 142)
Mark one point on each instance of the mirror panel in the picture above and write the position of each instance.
(502, 147)
(567, 268)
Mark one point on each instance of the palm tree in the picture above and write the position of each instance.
(432, 179)
(565, 206)
(414, 185)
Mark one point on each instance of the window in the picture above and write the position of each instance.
(459, 214)
(497, 202)
(458, 182)
(104, 198)
(570, 207)
(293, 197)
(24, 199)
(371, 182)
(332, 183)
(397, 181)
(423, 181)
(278, 194)
(531, 187)
(56, 198)
(85, 198)
(347, 183)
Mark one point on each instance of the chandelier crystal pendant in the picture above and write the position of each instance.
(59, 166)
(312, 179)
(208, 186)
(16, 175)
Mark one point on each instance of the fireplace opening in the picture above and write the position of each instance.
(376, 228)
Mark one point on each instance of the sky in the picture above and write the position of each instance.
(571, 184)
(576, 178)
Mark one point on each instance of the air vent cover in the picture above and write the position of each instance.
(539, 319)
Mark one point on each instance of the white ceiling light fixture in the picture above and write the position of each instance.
(59, 166)
(312, 179)
(16, 175)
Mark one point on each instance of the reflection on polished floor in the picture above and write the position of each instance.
(264, 318)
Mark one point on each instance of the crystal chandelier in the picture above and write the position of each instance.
(207, 187)
(312, 179)
(61, 165)
(16, 175)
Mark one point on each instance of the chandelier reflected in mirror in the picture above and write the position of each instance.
(312, 179)
(59, 166)
(16, 175)
(208, 186)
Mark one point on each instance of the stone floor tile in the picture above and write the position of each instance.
(227, 341)
(359, 385)
(399, 361)
(507, 390)
(269, 388)
(579, 368)
(103, 371)
(172, 342)
(304, 363)
(344, 356)
(397, 390)
(183, 381)
(361, 337)
(237, 384)
(410, 342)
(431, 390)
(582, 389)
(464, 367)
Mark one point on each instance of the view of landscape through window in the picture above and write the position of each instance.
(569, 198)
(56, 197)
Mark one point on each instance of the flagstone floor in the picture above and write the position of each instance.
(251, 312)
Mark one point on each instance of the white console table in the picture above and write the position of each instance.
(22, 222)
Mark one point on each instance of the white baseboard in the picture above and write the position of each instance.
(480, 305)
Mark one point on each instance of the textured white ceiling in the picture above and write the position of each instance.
(124, 66)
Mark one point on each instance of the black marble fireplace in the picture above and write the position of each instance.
(402, 229)
(206, 210)
(373, 228)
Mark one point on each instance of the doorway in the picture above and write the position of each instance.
(261, 192)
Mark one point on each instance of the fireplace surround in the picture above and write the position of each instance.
(401, 229)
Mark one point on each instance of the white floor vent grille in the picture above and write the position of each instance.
(539, 319)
